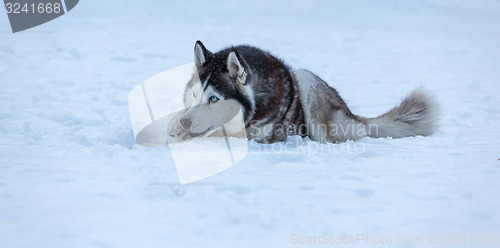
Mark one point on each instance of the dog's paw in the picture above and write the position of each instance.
(176, 130)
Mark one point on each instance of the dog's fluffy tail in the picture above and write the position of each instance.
(417, 114)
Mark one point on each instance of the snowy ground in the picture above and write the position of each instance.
(71, 175)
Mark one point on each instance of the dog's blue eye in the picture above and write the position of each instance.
(213, 99)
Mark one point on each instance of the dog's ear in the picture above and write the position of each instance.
(237, 67)
(201, 54)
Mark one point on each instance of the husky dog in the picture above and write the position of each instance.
(278, 101)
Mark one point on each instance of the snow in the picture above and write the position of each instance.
(71, 174)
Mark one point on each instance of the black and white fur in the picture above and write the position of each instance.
(278, 101)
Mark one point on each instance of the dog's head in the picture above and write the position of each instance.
(220, 81)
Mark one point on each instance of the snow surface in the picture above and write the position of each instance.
(71, 175)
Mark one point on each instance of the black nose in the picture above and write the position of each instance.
(186, 123)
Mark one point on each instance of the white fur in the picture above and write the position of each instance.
(408, 119)
(346, 128)
(193, 95)
(260, 132)
(306, 82)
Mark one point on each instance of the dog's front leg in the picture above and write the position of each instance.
(175, 128)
